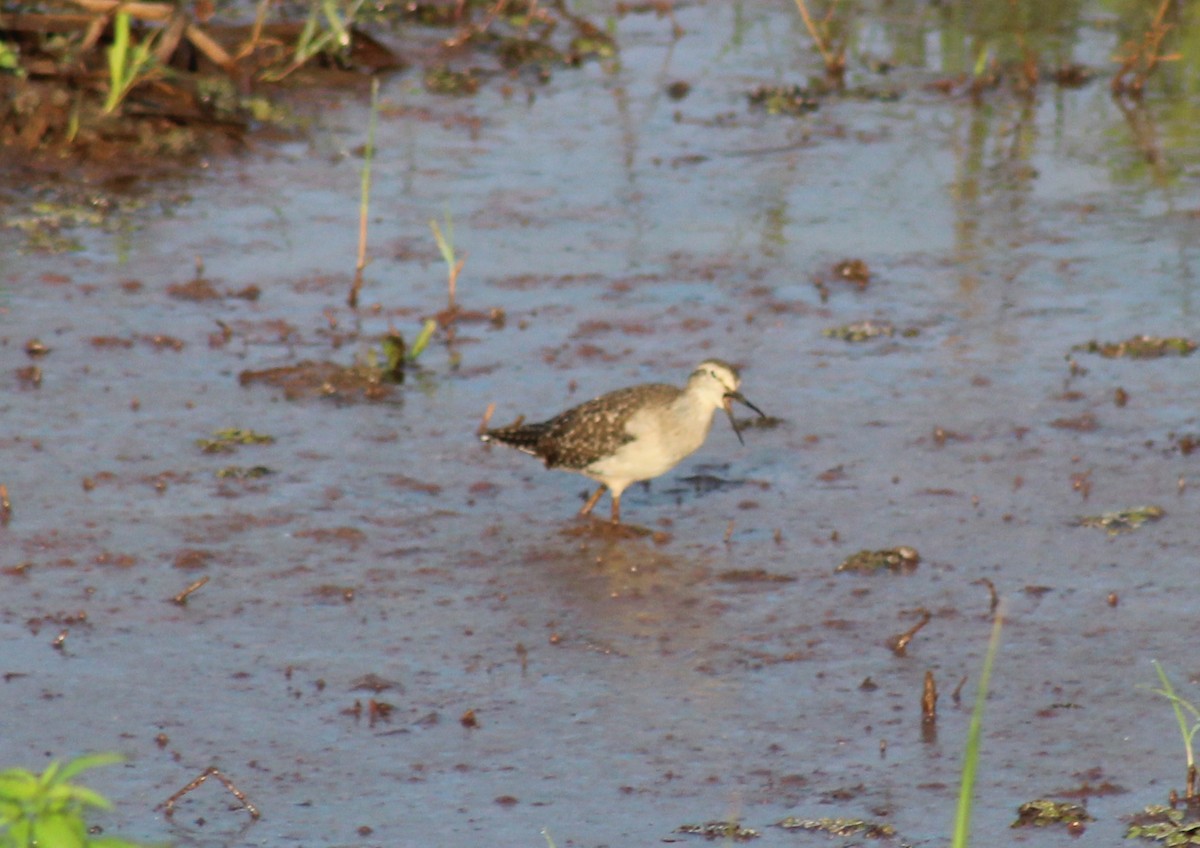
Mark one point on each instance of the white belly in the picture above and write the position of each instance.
(662, 439)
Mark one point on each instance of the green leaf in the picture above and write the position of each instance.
(10, 813)
(445, 240)
(60, 830)
(19, 833)
(80, 795)
(422, 340)
(113, 842)
(50, 775)
(18, 785)
(118, 61)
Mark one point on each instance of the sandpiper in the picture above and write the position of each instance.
(631, 434)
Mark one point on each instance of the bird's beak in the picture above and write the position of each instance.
(730, 397)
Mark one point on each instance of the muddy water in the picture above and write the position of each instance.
(621, 686)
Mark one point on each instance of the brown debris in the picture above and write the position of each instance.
(168, 806)
(322, 379)
(899, 643)
(182, 598)
(929, 699)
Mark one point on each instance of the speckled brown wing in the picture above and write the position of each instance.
(596, 429)
(588, 432)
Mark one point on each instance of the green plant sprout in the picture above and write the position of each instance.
(332, 39)
(126, 65)
(1182, 707)
(966, 786)
(365, 201)
(45, 811)
(445, 243)
(981, 62)
(422, 340)
(10, 59)
(396, 355)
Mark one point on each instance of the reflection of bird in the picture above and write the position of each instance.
(631, 434)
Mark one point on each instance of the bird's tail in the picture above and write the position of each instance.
(523, 437)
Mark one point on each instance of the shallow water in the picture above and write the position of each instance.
(622, 686)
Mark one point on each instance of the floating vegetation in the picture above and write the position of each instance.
(860, 331)
(900, 560)
(854, 271)
(592, 45)
(521, 34)
(1140, 347)
(241, 472)
(841, 827)
(1186, 443)
(224, 441)
(783, 99)
(1042, 812)
(753, 575)
(1164, 824)
(444, 80)
(515, 52)
(323, 379)
(1123, 521)
(395, 357)
(728, 830)
(48, 226)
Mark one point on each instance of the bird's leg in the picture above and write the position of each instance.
(593, 500)
(616, 515)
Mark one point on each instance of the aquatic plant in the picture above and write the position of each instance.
(966, 785)
(397, 355)
(326, 31)
(445, 243)
(10, 59)
(126, 66)
(422, 340)
(364, 204)
(46, 810)
(1182, 708)
(1044, 812)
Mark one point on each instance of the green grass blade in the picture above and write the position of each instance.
(89, 761)
(118, 61)
(1179, 704)
(966, 790)
(445, 241)
(369, 149)
(423, 338)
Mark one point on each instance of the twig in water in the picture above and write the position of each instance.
(929, 699)
(835, 62)
(487, 417)
(212, 771)
(899, 643)
(1143, 54)
(182, 598)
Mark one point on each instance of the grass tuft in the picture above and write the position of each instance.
(1182, 707)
